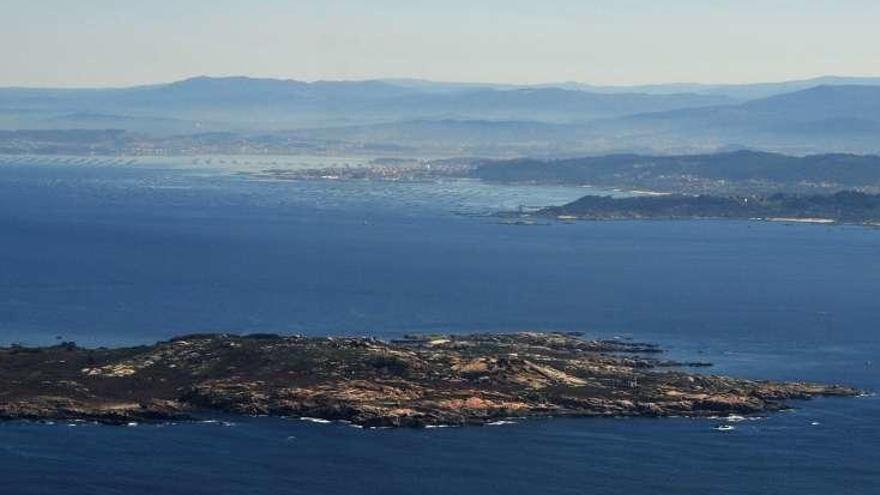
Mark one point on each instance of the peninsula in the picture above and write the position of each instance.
(417, 381)
(841, 207)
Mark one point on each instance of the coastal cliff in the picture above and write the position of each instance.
(418, 381)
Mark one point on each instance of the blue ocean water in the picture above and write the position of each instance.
(109, 255)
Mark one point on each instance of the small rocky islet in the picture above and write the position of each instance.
(414, 381)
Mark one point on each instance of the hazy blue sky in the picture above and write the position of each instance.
(108, 42)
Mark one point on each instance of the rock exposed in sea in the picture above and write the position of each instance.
(416, 381)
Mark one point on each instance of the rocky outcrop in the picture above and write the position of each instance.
(417, 381)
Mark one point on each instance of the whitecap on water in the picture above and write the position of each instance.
(315, 420)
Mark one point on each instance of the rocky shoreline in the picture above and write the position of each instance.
(415, 381)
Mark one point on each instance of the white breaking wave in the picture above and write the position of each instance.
(315, 420)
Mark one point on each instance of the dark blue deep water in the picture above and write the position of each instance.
(106, 255)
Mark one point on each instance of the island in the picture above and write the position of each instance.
(413, 381)
(841, 207)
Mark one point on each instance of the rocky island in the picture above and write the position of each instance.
(416, 381)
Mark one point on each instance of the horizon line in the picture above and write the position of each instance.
(391, 79)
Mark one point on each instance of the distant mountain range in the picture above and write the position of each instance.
(269, 104)
(818, 115)
(735, 92)
(740, 92)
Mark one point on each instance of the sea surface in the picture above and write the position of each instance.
(115, 252)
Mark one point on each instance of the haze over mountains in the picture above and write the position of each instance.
(266, 103)
(741, 92)
(798, 117)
